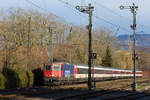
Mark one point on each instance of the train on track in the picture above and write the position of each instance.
(60, 73)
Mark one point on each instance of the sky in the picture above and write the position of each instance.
(106, 12)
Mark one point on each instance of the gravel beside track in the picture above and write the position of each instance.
(105, 95)
(107, 90)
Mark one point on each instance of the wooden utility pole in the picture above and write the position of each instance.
(88, 10)
(90, 47)
(133, 10)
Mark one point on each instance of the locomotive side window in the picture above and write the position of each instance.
(48, 67)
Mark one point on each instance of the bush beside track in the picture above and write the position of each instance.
(38, 77)
(2, 81)
(12, 78)
(30, 76)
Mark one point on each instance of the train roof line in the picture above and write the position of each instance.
(106, 68)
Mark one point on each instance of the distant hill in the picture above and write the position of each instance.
(142, 41)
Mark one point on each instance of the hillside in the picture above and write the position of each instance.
(142, 41)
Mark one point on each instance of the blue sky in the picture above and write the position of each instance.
(108, 12)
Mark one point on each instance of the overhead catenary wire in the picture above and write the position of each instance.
(110, 10)
(70, 6)
(115, 13)
(97, 17)
(106, 21)
(115, 25)
(37, 6)
(73, 8)
(60, 18)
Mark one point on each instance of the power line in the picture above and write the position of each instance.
(73, 8)
(100, 18)
(32, 3)
(110, 10)
(115, 13)
(70, 6)
(37, 6)
(115, 25)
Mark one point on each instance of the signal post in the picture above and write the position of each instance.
(88, 10)
(133, 10)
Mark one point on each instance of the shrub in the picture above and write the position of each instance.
(2, 81)
(38, 77)
(30, 77)
(15, 78)
(12, 80)
(23, 80)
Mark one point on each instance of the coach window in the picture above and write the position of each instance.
(109, 71)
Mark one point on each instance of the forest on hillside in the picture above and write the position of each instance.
(70, 43)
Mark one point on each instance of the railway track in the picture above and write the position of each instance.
(79, 91)
(128, 96)
(85, 81)
(97, 81)
(106, 95)
(114, 93)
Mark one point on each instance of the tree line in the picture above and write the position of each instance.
(70, 43)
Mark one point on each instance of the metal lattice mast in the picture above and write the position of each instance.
(29, 43)
(50, 47)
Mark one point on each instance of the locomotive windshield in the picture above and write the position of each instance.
(48, 67)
